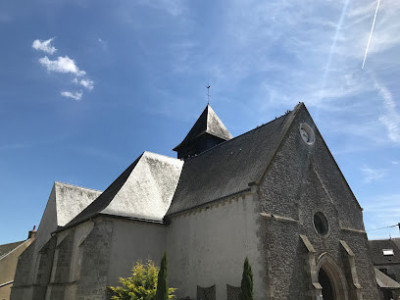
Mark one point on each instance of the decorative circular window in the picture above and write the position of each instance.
(307, 134)
(321, 223)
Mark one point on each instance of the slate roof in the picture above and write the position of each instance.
(207, 123)
(71, 200)
(143, 191)
(7, 248)
(66, 201)
(376, 247)
(384, 281)
(229, 167)
(156, 186)
(396, 241)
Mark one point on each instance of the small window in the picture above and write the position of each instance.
(307, 134)
(321, 223)
(388, 252)
(208, 293)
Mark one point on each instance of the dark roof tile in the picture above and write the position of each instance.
(7, 248)
(376, 250)
(208, 122)
(229, 167)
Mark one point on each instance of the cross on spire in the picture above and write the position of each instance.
(208, 94)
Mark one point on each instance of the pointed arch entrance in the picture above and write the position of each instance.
(331, 278)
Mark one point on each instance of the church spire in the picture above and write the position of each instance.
(207, 132)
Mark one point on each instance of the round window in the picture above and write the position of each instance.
(307, 134)
(321, 223)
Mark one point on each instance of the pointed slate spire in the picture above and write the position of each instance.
(207, 132)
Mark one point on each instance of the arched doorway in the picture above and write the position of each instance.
(328, 292)
(331, 278)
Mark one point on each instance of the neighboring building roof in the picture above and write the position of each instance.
(396, 241)
(384, 281)
(229, 167)
(376, 250)
(208, 122)
(7, 248)
(143, 191)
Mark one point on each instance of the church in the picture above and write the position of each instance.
(273, 194)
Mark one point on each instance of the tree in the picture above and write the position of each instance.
(142, 285)
(246, 287)
(162, 286)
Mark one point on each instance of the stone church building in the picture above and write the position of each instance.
(274, 194)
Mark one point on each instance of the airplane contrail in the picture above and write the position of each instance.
(370, 34)
(333, 45)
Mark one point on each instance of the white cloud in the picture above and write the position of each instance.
(73, 95)
(382, 213)
(103, 44)
(391, 118)
(64, 65)
(173, 7)
(61, 65)
(85, 82)
(372, 174)
(44, 46)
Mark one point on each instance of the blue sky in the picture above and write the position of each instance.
(86, 86)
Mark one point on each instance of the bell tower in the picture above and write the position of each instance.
(207, 132)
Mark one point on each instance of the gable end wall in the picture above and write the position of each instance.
(301, 180)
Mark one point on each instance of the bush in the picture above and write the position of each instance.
(162, 286)
(142, 285)
(246, 287)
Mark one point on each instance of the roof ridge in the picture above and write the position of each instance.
(239, 163)
(204, 125)
(166, 156)
(13, 249)
(77, 186)
(289, 113)
(13, 243)
(390, 240)
(240, 135)
(208, 117)
(98, 203)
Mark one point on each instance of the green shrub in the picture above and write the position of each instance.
(142, 285)
(246, 287)
(162, 285)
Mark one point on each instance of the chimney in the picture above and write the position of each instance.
(32, 233)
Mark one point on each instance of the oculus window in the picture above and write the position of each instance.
(307, 133)
(321, 223)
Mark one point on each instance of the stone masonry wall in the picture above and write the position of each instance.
(301, 181)
(22, 287)
(284, 261)
(96, 249)
(61, 265)
(358, 242)
(45, 257)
